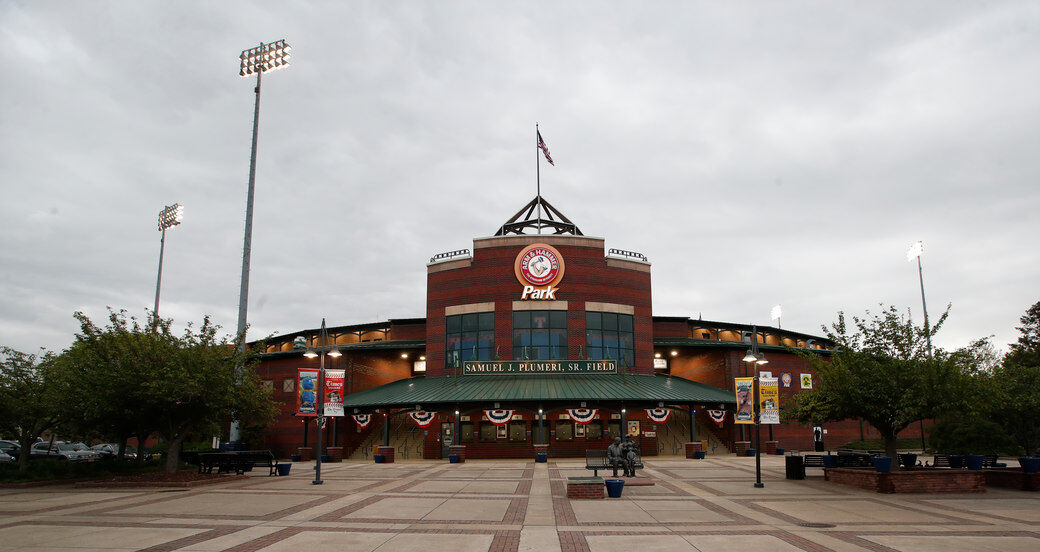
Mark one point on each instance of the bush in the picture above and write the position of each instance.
(971, 436)
(49, 469)
(878, 444)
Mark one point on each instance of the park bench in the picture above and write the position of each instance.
(990, 461)
(939, 461)
(596, 460)
(813, 460)
(854, 459)
(238, 461)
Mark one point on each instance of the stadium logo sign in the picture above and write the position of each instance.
(539, 267)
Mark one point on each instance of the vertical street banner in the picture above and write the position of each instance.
(745, 388)
(307, 392)
(334, 392)
(769, 401)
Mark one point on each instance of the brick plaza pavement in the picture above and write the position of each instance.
(429, 506)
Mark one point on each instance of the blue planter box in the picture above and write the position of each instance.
(883, 464)
(379, 458)
(1030, 464)
(751, 452)
(283, 469)
(453, 458)
(830, 461)
(541, 457)
(614, 487)
(973, 461)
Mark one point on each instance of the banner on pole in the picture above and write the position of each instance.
(306, 392)
(769, 401)
(334, 392)
(745, 389)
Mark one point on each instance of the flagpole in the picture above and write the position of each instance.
(538, 176)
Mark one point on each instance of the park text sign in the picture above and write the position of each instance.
(514, 367)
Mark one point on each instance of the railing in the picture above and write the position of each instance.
(629, 254)
(449, 255)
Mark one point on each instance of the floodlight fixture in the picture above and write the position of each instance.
(170, 216)
(263, 58)
(914, 251)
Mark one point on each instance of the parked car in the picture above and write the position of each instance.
(61, 451)
(82, 448)
(4, 457)
(10, 448)
(111, 450)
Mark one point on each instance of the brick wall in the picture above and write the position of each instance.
(910, 481)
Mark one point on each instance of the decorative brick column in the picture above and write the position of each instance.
(769, 447)
(388, 454)
(541, 449)
(584, 488)
(741, 447)
(692, 449)
(335, 454)
(306, 453)
(458, 449)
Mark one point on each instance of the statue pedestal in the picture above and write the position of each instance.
(740, 448)
(306, 453)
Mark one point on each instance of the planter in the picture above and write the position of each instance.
(883, 464)
(325, 458)
(283, 469)
(614, 487)
(908, 460)
(779, 452)
(294, 458)
(541, 457)
(453, 458)
(701, 455)
(830, 461)
(973, 461)
(957, 461)
(1030, 464)
(379, 458)
(751, 452)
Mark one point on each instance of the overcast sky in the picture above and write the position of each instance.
(759, 153)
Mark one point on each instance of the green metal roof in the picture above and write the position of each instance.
(538, 388)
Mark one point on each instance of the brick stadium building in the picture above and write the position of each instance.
(542, 329)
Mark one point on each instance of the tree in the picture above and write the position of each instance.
(880, 372)
(1016, 385)
(175, 385)
(29, 398)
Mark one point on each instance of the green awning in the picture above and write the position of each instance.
(449, 390)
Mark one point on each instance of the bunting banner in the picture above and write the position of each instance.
(498, 417)
(658, 415)
(306, 392)
(768, 401)
(582, 415)
(423, 418)
(717, 416)
(745, 390)
(362, 420)
(334, 392)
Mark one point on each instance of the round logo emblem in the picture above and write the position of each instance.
(539, 265)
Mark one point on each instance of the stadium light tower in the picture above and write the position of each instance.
(259, 60)
(169, 217)
(914, 252)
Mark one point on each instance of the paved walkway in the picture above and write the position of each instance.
(426, 506)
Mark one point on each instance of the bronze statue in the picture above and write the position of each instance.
(630, 453)
(615, 455)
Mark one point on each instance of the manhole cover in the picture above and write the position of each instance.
(815, 525)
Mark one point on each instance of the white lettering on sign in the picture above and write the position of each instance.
(531, 292)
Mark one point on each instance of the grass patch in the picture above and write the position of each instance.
(48, 469)
(878, 444)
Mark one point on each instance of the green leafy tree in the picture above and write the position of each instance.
(1016, 385)
(880, 371)
(180, 386)
(29, 397)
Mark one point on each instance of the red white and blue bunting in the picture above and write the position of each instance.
(718, 416)
(582, 415)
(423, 418)
(498, 417)
(658, 415)
(362, 420)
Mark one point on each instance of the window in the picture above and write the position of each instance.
(288, 385)
(539, 335)
(518, 431)
(466, 428)
(268, 385)
(614, 429)
(469, 337)
(594, 430)
(610, 336)
(564, 430)
(488, 431)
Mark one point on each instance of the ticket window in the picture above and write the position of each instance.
(564, 430)
(614, 428)
(488, 432)
(517, 431)
(594, 430)
(466, 430)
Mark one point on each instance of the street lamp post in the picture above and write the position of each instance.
(259, 60)
(169, 217)
(323, 350)
(757, 357)
(915, 251)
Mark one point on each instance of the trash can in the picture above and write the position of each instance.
(614, 487)
(830, 461)
(701, 454)
(379, 458)
(541, 457)
(795, 466)
(751, 452)
(1029, 464)
(283, 469)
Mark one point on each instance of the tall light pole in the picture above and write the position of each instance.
(915, 251)
(169, 217)
(321, 350)
(757, 357)
(259, 60)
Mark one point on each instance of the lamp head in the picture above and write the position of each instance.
(750, 356)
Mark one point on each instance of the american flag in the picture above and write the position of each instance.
(545, 149)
